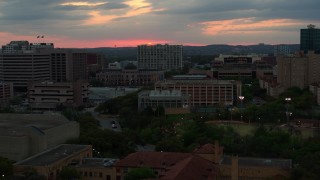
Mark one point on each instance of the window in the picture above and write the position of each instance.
(108, 177)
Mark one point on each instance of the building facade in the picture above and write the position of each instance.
(68, 65)
(310, 39)
(204, 92)
(48, 94)
(169, 99)
(160, 57)
(6, 92)
(126, 77)
(20, 68)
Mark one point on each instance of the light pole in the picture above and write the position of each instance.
(241, 99)
(287, 99)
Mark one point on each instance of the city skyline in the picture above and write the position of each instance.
(121, 23)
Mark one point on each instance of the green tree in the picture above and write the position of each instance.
(5, 167)
(139, 174)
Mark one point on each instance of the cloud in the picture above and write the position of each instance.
(175, 21)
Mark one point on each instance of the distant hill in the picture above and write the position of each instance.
(131, 52)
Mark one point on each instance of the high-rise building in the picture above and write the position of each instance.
(161, 57)
(68, 65)
(310, 39)
(281, 49)
(19, 68)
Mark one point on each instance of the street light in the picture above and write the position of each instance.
(241, 99)
(287, 99)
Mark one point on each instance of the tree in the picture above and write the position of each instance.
(5, 166)
(139, 173)
(69, 173)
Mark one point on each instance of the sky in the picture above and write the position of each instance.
(120, 23)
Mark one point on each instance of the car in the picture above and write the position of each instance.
(114, 126)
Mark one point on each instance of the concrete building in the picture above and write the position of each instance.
(310, 39)
(21, 68)
(49, 95)
(204, 92)
(25, 47)
(15, 47)
(129, 77)
(169, 99)
(68, 65)
(6, 92)
(240, 66)
(160, 57)
(50, 162)
(299, 70)
(23, 135)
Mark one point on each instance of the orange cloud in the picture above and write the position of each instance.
(245, 25)
(136, 7)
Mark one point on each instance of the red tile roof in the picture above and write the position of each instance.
(192, 168)
(176, 166)
(205, 149)
(152, 159)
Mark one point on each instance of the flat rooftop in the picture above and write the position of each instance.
(53, 155)
(17, 124)
(248, 161)
(98, 162)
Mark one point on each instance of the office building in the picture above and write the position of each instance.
(15, 47)
(129, 77)
(19, 68)
(204, 92)
(168, 99)
(310, 39)
(299, 70)
(23, 135)
(68, 65)
(240, 67)
(160, 57)
(49, 95)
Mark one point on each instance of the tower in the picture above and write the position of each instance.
(310, 39)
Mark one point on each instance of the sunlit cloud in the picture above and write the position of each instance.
(246, 25)
(136, 8)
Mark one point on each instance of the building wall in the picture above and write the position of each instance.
(21, 68)
(160, 57)
(292, 71)
(14, 147)
(130, 77)
(203, 92)
(66, 93)
(70, 130)
(97, 173)
(6, 92)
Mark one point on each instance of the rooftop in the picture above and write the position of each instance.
(200, 81)
(18, 124)
(53, 155)
(98, 162)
